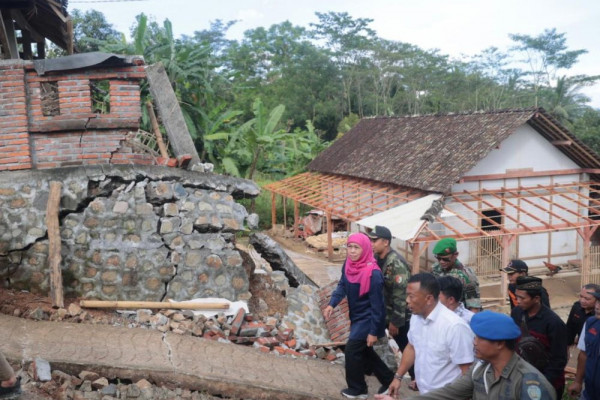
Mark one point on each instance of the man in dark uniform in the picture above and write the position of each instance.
(396, 274)
(515, 269)
(544, 325)
(581, 311)
(588, 362)
(500, 373)
(448, 264)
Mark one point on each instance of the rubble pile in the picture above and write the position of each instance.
(89, 385)
(269, 334)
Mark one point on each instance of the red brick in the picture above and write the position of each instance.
(237, 322)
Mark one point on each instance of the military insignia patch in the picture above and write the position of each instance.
(398, 279)
(534, 392)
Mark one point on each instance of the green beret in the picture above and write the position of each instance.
(445, 246)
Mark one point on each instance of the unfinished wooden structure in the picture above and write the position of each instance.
(507, 184)
(26, 24)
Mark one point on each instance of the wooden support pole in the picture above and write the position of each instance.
(296, 216)
(41, 50)
(284, 201)
(54, 245)
(9, 36)
(504, 260)
(273, 210)
(156, 129)
(329, 237)
(153, 305)
(416, 258)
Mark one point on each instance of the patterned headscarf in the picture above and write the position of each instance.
(360, 271)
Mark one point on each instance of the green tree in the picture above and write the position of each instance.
(91, 30)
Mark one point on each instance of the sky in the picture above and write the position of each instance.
(455, 27)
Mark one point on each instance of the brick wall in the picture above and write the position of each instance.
(14, 139)
(72, 134)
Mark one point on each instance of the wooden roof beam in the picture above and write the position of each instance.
(482, 215)
(552, 203)
(526, 199)
(515, 220)
(18, 16)
(520, 209)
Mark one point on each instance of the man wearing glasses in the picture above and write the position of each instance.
(448, 264)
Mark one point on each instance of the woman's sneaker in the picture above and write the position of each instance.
(354, 394)
(11, 392)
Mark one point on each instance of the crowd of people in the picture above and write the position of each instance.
(451, 349)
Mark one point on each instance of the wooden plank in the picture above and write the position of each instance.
(4, 38)
(153, 305)
(54, 245)
(20, 19)
(168, 108)
(329, 237)
(156, 129)
(11, 36)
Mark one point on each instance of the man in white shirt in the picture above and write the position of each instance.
(440, 343)
(451, 291)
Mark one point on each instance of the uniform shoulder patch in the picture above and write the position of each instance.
(534, 392)
(398, 278)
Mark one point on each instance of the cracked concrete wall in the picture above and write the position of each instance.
(127, 232)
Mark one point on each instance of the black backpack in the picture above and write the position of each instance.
(531, 349)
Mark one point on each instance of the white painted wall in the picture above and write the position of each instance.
(526, 149)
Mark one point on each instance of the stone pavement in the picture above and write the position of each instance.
(179, 361)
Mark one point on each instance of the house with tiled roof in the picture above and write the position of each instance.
(506, 184)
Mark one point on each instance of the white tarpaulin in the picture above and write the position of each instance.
(405, 220)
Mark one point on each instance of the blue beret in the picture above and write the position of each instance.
(494, 326)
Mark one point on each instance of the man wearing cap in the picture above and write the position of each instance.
(500, 373)
(448, 264)
(588, 361)
(581, 311)
(515, 269)
(395, 277)
(543, 324)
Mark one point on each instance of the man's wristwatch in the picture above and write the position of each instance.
(396, 376)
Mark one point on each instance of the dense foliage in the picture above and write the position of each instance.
(270, 102)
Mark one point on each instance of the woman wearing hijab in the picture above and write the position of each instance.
(362, 284)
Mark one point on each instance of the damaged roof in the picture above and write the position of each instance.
(42, 18)
(432, 152)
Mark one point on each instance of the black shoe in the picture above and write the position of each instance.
(11, 392)
(383, 389)
(354, 394)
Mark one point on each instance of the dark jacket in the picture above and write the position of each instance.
(577, 318)
(592, 363)
(367, 313)
(551, 331)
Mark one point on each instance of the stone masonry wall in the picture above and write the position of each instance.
(128, 233)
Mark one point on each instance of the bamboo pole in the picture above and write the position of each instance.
(159, 139)
(54, 244)
(152, 304)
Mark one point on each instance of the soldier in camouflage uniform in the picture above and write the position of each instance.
(448, 264)
(396, 273)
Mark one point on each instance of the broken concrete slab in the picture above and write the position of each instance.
(271, 251)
